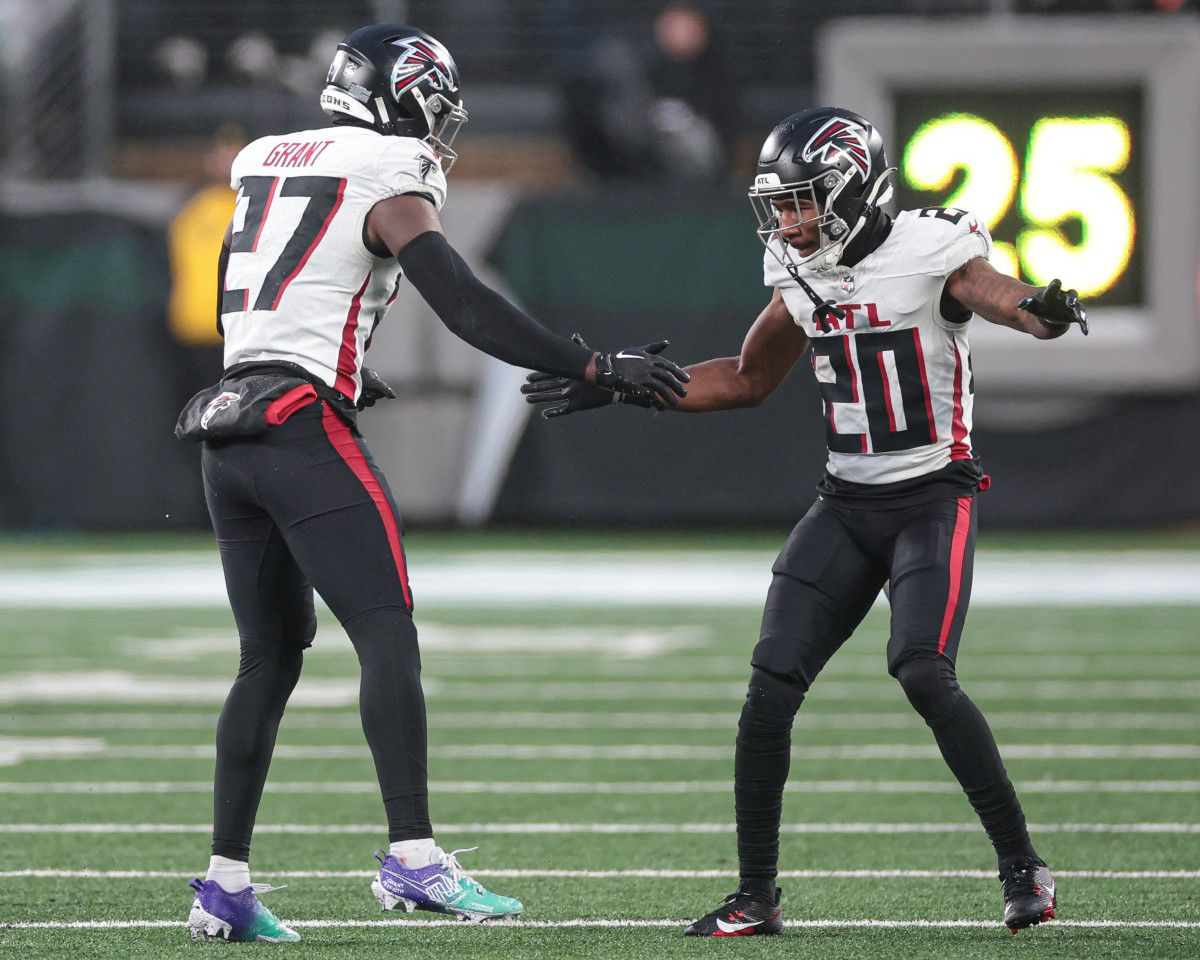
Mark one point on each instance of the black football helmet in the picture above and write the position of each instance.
(399, 81)
(833, 158)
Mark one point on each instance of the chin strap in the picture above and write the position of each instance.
(387, 124)
(825, 309)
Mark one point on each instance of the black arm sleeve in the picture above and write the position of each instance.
(480, 316)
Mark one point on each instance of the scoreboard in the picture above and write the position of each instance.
(1077, 141)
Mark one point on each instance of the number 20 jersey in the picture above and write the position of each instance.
(301, 286)
(894, 375)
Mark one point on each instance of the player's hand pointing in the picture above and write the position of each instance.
(1057, 310)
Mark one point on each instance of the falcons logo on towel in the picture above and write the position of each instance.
(418, 60)
(837, 139)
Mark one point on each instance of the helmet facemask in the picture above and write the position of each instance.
(444, 118)
(839, 218)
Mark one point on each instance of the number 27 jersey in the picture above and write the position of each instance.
(894, 375)
(301, 286)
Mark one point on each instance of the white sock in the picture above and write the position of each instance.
(414, 854)
(231, 875)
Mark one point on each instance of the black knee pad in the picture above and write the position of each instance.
(771, 696)
(931, 687)
(384, 638)
(300, 627)
(283, 658)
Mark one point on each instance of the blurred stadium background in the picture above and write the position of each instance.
(602, 185)
(584, 689)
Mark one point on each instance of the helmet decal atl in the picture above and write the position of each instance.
(840, 138)
(419, 59)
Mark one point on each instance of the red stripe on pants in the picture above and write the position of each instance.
(347, 447)
(958, 549)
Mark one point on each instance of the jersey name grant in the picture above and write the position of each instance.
(301, 286)
(894, 375)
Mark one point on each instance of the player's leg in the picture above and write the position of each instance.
(930, 592)
(348, 540)
(823, 585)
(273, 609)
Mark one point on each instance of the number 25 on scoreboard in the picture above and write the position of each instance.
(1068, 175)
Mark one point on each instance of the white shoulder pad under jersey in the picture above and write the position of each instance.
(894, 374)
(301, 286)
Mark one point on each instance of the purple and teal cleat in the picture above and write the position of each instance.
(236, 917)
(442, 887)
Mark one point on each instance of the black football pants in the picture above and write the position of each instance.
(304, 506)
(825, 580)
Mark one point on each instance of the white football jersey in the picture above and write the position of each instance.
(895, 376)
(301, 286)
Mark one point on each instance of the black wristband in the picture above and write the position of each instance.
(483, 318)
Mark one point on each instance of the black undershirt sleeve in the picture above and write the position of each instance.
(483, 318)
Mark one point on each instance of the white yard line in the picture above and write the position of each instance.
(600, 787)
(595, 828)
(118, 686)
(15, 750)
(521, 874)
(509, 720)
(617, 924)
(708, 578)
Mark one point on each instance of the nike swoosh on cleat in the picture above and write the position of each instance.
(735, 928)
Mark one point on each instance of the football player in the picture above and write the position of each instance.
(882, 306)
(327, 222)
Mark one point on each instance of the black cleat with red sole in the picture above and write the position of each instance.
(745, 912)
(1029, 896)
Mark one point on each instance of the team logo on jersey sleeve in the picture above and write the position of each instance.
(839, 139)
(419, 59)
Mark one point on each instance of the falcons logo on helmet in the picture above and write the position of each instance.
(418, 60)
(840, 138)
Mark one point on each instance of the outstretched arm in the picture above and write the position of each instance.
(771, 348)
(408, 228)
(1045, 312)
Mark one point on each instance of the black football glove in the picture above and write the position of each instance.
(567, 396)
(638, 372)
(1055, 309)
(571, 396)
(374, 388)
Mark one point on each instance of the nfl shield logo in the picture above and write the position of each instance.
(847, 284)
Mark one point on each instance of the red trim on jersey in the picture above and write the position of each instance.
(960, 449)
(283, 407)
(262, 221)
(347, 447)
(958, 551)
(312, 246)
(933, 434)
(348, 355)
(887, 391)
